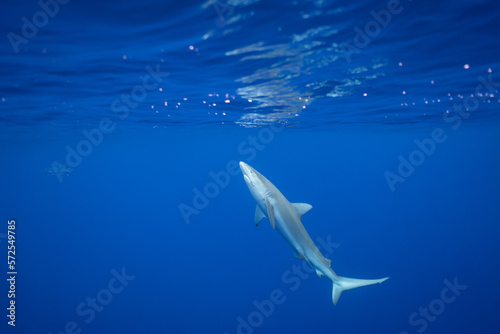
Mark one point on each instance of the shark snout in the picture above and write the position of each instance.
(245, 169)
(248, 174)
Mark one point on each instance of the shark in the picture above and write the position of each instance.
(64, 170)
(286, 218)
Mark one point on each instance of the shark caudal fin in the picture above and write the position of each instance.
(344, 283)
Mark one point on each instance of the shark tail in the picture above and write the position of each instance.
(345, 283)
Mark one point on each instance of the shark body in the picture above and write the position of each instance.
(285, 217)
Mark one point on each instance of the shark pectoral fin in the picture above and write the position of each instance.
(298, 255)
(319, 273)
(302, 208)
(259, 215)
(270, 213)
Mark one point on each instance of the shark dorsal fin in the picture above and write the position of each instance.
(270, 213)
(259, 215)
(302, 208)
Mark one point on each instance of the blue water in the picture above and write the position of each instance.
(121, 123)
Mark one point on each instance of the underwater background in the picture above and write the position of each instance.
(122, 122)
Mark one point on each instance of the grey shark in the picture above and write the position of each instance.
(285, 217)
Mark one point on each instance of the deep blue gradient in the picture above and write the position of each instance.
(395, 143)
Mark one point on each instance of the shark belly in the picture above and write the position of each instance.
(297, 237)
(287, 227)
(294, 233)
